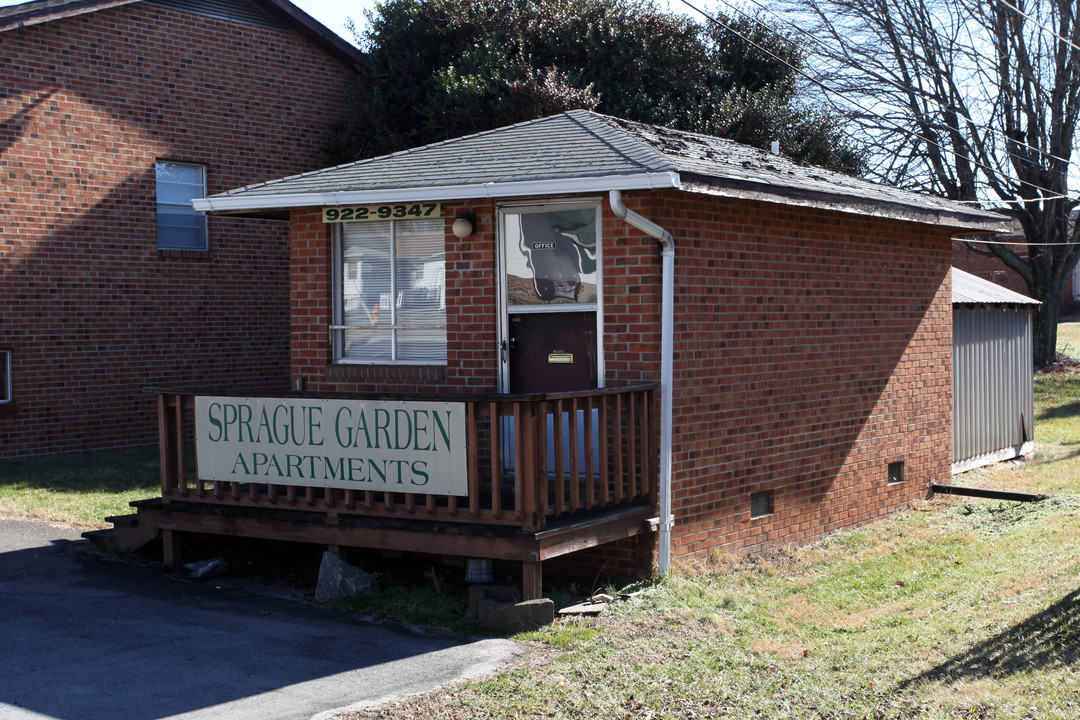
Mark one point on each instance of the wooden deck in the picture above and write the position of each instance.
(547, 475)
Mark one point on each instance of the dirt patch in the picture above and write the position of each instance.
(780, 648)
(450, 703)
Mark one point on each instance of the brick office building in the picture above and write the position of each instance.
(113, 115)
(615, 323)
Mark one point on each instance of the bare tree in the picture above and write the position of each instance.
(976, 100)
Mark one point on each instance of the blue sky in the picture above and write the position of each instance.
(335, 13)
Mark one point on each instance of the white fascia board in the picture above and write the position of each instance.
(644, 181)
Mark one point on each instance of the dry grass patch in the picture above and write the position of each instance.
(953, 610)
(947, 611)
(780, 648)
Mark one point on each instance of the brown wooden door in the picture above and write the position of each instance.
(552, 352)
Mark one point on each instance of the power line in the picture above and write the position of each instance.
(899, 86)
(1020, 12)
(1016, 242)
(1019, 201)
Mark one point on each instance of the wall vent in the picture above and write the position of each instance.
(761, 503)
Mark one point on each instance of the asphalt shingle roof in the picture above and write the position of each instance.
(600, 151)
(547, 149)
(31, 13)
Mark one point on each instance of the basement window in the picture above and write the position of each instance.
(761, 504)
(896, 472)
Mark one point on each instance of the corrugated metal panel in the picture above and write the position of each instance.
(993, 400)
(973, 290)
(236, 10)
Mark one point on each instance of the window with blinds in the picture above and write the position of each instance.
(392, 293)
(179, 226)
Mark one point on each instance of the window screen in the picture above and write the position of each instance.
(761, 503)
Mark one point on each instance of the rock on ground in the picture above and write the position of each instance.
(339, 580)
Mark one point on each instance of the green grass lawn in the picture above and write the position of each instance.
(950, 610)
(79, 489)
(1068, 341)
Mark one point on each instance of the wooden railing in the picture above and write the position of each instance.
(530, 459)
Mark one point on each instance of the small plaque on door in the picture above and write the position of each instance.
(561, 359)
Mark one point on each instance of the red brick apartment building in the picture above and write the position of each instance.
(113, 115)
(581, 335)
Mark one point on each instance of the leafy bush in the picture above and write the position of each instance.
(444, 68)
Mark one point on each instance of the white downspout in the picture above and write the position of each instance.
(667, 364)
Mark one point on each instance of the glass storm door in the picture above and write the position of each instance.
(551, 329)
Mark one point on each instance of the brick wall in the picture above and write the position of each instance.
(472, 358)
(91, 310)
(988, 268)
(812, 350)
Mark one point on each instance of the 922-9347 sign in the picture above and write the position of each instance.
(389, 211)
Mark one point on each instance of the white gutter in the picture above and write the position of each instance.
(667, 365)
(252, 201)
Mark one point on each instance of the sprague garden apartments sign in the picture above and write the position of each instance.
(408, 447)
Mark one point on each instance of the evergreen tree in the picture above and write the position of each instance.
(438, 69)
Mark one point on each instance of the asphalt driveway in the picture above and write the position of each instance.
(85, 637)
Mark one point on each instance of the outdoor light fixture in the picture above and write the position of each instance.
(464, 224)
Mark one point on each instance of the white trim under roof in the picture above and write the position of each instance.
(523, 188)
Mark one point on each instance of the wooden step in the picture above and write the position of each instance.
(104, 538)
(127, 535)
(123, 520)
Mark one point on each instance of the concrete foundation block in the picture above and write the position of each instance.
(498, 593)
(514, 617)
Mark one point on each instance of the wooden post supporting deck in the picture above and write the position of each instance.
(532, 585)
(170, 541)
(166, 443)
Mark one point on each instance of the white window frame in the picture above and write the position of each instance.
(338, 328)
(186, 206)
(5, 377)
